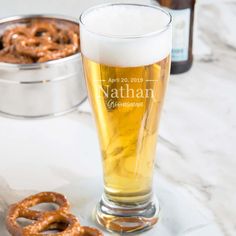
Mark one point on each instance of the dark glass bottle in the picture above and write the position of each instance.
(183, 18)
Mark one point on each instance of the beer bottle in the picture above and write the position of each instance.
(183, 18)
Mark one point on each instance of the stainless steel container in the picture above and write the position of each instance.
(40, 89)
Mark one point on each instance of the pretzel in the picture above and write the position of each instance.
(88, 231)
(34, 47)
(15, 33)
(9, 55)
(42, 221)
(62, 50)
(42, 29)
(39, 41)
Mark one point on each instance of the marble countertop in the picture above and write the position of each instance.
(195, 174)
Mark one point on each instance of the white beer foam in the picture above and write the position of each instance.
(112, 35)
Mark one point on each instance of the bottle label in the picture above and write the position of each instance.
(181, 28)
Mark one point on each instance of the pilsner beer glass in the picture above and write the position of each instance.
(126, 58)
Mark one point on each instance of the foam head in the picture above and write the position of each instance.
(125, 35)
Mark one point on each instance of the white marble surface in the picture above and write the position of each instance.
(195, 175)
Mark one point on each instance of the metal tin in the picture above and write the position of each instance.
(41, 89)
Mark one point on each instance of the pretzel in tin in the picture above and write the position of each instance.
(12, 34)
(39, 41)
(9, 55)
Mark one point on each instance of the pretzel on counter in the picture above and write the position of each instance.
(38, 41)
(60, 219)
(89, 231)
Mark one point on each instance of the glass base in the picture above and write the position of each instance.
(127, 218)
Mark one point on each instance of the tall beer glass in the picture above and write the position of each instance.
(126, 57)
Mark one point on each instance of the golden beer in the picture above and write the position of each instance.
(127, 103)
(126, 57)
